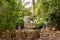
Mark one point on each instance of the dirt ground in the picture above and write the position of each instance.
(30, 35)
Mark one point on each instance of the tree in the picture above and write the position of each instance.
(9, 13)
(48, 9)
(55, 15)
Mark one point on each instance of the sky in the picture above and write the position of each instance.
(29, 3)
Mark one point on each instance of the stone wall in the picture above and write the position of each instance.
(30, 35)
(29, 25)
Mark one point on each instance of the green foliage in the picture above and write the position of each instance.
(55, 18)
(55, 15)
(44, 8)
(50, 9)
(9, 13)
(20, 21)
(39, 24)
